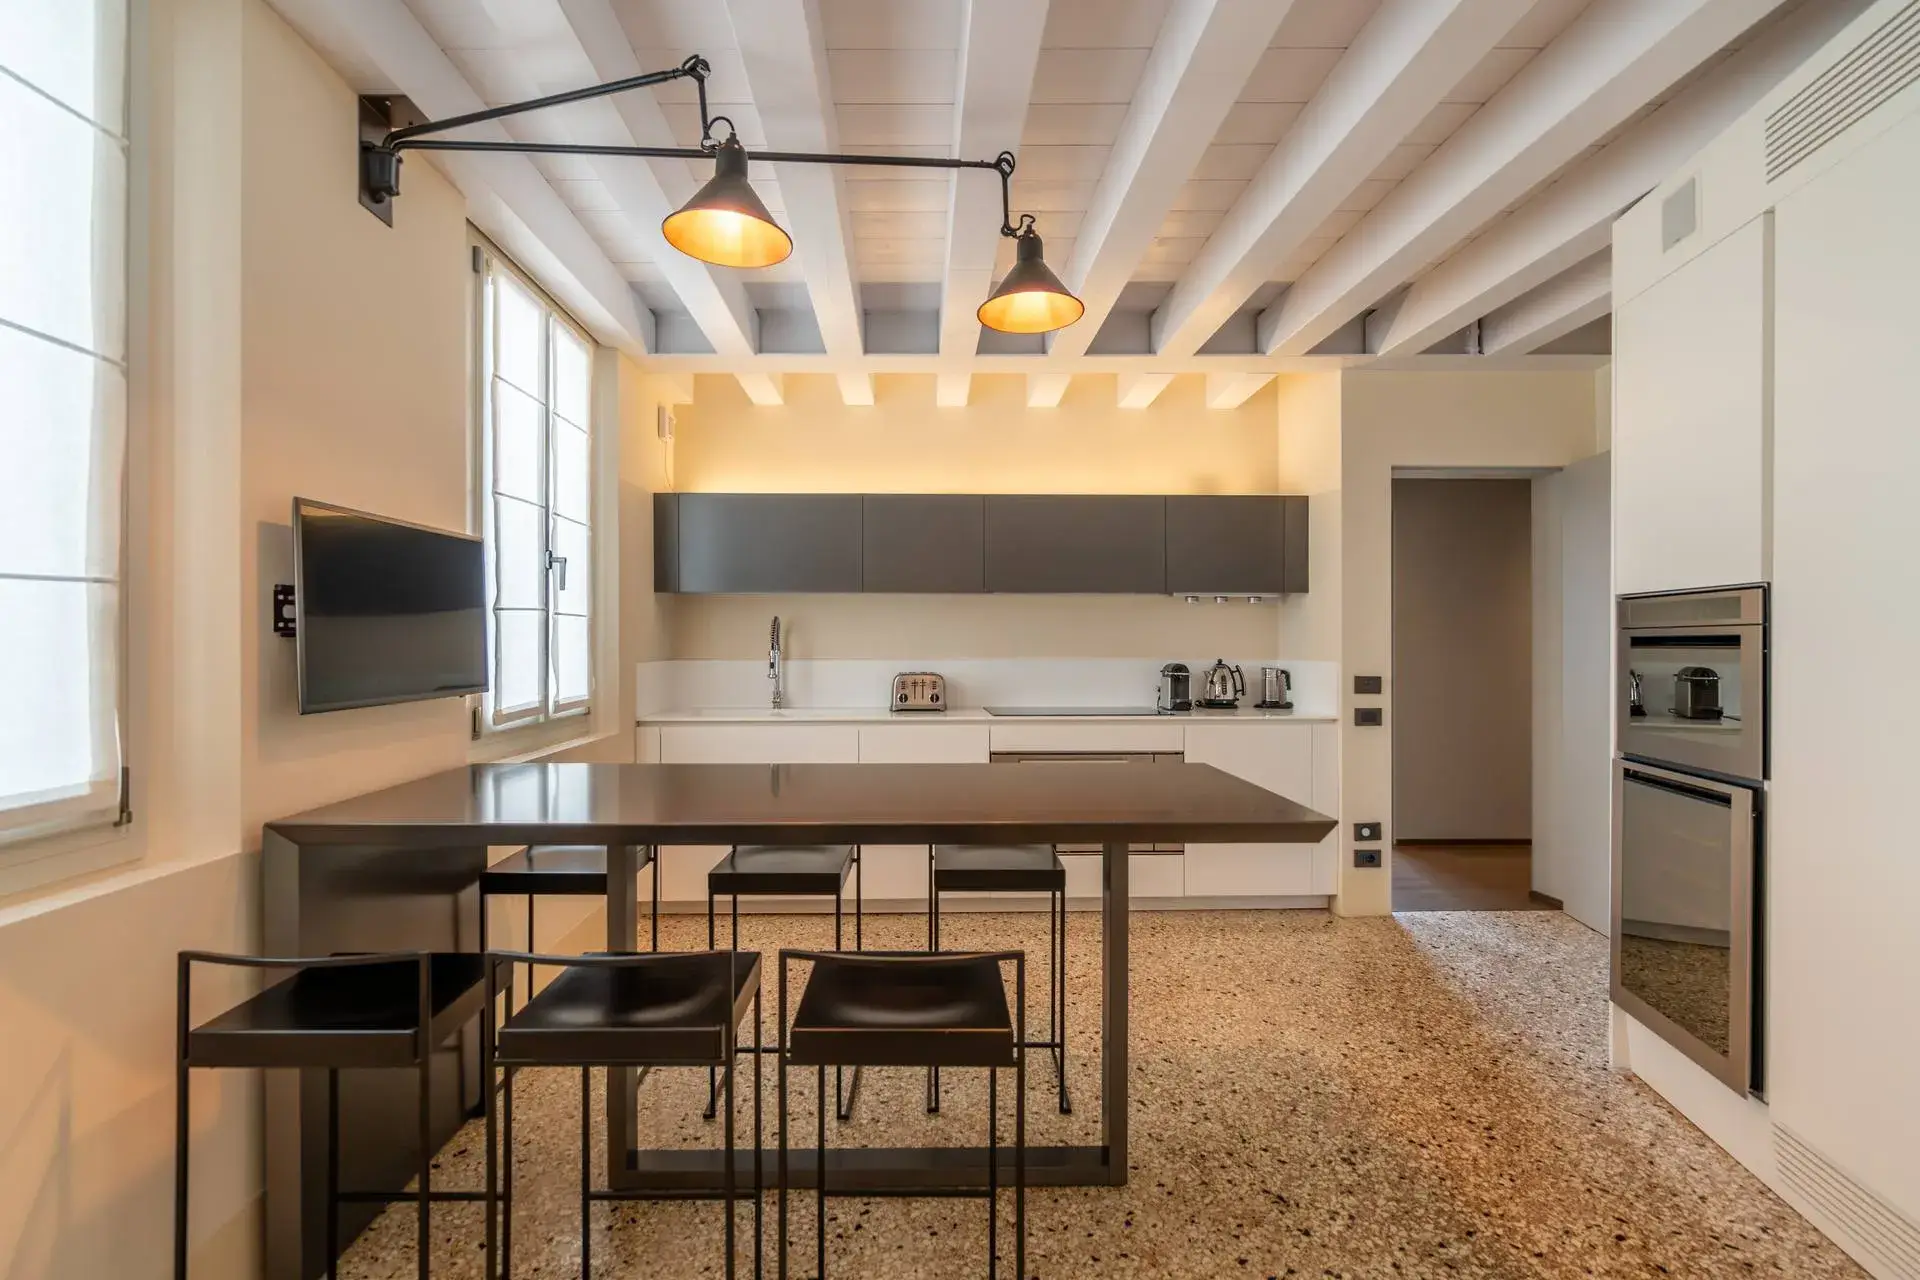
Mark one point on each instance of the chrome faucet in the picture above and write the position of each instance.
(775, 668)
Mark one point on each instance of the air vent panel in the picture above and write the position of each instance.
(1876, 69)
(1870, 1224)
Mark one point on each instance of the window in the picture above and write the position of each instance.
(63, 224)
(536, 437)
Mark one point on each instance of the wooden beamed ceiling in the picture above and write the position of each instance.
(1234, 187)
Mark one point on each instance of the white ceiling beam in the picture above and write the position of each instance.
(856, 389)
(1139, 390)
(768, 390)
(1553, 310)
(951, 390)
(999, 48)
(783, 45)
(1573, 219)
(1200, 62)
(1044, 390)
(1231, 390)
(1400, 66)
(507, 195)
(1615, 56)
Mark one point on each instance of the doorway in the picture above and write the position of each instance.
(1463, 677)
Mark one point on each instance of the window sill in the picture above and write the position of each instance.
(507, 748)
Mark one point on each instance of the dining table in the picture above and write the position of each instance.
(398, 867)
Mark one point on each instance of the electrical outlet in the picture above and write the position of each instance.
(1366, 858)
(1366, 832)
(1367, 686)
(1369, 717)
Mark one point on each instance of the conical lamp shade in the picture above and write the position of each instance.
(1031, 299)
(725, 223)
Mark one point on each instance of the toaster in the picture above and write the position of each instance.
(919, 691)
(1696, 693)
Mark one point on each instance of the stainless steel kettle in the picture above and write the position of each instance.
(1224, 685)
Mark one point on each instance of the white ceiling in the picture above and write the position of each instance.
(1272, 202)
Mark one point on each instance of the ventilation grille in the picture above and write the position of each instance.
(1883, 64)
(1870, 1224)
(1680, 214)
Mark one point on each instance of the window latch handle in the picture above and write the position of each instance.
(557, 565)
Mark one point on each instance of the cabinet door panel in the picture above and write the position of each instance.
(759, 744)
(1295, 575)
(1226, 546)
(1077, 544)
(769, 542)
(1149, 875)
(924, 543)
(1248, 870)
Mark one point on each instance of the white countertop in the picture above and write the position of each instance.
(955, 715)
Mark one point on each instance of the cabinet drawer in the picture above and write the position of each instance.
(1149, 875)
(1113, 735)
(1278, 757)
(759, 744)
(920, 743)
(1249, 870)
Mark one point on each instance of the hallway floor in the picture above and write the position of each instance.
(1424, 1095)
(1464, 877)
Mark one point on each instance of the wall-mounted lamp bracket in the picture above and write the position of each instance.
(283, 618)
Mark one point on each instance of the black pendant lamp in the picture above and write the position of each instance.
(1030, 299)
(725, 222)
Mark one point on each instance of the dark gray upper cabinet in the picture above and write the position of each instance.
(746, 543)
(933, 542)
(666, 542)
(1296, 579)
(1085, 544)
(1226, 546)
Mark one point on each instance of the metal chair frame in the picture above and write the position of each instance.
(508, 890)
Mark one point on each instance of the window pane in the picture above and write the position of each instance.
(72, 50)
(516, 444)
(519, 555)
(61, 416)
(519, 660)
(570, 473)
(517, 335)
(57, 734)
(572, 663)
(572, 375)
(63, 210)
(571, 540)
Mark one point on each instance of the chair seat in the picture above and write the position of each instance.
(554, 870)
(363, 1016)
(903, 1011)
(997, 868)
(668, 1009)
(782, 870)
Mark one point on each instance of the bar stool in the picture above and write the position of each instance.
(387, 1009)
(558, 871)
(1022, 868)
(789, 871)
(672, 1009)
(909, 1009)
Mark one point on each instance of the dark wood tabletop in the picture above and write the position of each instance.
(811, 803)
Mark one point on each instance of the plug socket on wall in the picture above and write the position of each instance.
(1366, 858)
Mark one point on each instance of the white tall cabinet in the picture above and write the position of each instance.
(1767, 378)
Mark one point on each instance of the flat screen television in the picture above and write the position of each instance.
(385, 611)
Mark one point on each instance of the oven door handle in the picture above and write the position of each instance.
(1692, 791)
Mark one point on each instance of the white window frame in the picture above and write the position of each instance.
(490, 267)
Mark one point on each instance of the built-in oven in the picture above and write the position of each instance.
(1687, 914)
(1097, 757)
(1693, 681)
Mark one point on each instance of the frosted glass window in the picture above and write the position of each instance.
(537, 445)
(63, 288)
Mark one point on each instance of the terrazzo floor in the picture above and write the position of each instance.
(1422, 1095)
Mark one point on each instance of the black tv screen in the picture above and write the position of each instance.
(385, 611)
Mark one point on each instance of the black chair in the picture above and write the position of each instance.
(909, 1009)
(790, 871)
(389, 1009)
(558, 871)
(672, 1009)
(1022, 868)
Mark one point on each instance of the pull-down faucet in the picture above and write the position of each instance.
(775, 668)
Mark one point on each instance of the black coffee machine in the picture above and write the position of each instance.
(1176, 688)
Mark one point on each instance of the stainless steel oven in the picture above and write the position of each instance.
(1693, 681)
(1097, 757)
(1687, 923)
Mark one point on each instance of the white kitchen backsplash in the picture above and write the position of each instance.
(838, 683)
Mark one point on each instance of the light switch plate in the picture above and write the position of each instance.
(1366, 857)
(1369, 717)
(1367, 686)
(1366, 831)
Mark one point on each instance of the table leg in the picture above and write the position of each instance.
(1113, 1011)
(623, 920)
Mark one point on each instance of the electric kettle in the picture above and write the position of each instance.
(1276, 686)
(1224, 686)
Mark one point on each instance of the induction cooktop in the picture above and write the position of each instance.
(1073, 711)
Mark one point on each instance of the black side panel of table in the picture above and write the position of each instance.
(769, 542)
(1077, 543)
(1226, 545)
(925, 542)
